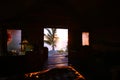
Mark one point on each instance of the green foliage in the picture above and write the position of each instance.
(60, 51)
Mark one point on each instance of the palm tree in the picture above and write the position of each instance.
(51, 37)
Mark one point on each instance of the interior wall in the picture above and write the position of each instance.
(33, 33)
(106, 39)
(0, 42)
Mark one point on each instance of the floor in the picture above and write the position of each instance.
(56, 60)
(53, 61)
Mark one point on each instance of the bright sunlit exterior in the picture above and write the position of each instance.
(61, 37)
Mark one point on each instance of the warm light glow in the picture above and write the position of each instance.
(85, 38)
(36, 75)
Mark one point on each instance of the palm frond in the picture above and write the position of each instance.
(51, 37)
(47, 42)
(49, 31)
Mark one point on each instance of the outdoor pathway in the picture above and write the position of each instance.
(56, 60)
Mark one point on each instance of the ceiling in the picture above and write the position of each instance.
(90, 11)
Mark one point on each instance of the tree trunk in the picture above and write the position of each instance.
(53, 48)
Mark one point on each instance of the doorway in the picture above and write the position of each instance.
(56, 40)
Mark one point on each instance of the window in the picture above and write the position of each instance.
(13, 41)
(85, 38)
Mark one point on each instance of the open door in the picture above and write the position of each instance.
(56, 40)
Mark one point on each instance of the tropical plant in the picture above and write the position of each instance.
(51, 37)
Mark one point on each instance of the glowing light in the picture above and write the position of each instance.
(85, 38)
(71, 73)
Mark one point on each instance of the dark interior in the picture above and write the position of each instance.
(98, 61)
